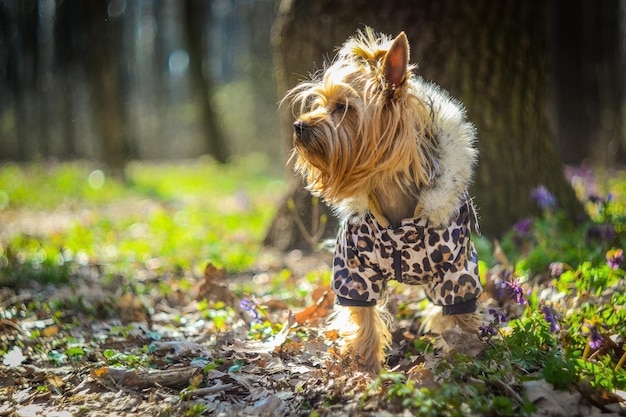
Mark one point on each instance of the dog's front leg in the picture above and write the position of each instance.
(366, 335)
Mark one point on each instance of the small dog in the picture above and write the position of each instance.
(393, 156)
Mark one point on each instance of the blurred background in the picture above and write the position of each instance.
(120, 80)
(143, 79)
(139, 79)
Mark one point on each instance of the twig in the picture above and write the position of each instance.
(201, 392)
(11, 324)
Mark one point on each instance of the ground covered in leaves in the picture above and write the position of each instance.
(154, 297)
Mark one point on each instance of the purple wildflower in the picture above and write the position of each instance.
(250, 306)
(499, 317)
(488, 331)
(522, 227)
(595, 338)
(516, 291)
(544, 198)
(550, 316)
(556, 269)
(614, 258)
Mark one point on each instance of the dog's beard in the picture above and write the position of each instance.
(326, 156)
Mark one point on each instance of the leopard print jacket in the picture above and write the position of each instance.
(444, 260)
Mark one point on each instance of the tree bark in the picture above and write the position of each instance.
(195, 16)
(588, 78)
(493, 56)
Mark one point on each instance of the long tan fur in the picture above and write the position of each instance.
(366, 335)
(338, 167)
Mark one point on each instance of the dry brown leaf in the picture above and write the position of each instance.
(54, 381)
(50, 331)
(99, 372)
(213, 274)
(130, 308)
(320, 309)
(213, 289)
(332, 335)
(550, 402)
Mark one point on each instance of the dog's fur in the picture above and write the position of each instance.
(373, 137)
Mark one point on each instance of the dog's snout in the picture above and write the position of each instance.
(298, 127)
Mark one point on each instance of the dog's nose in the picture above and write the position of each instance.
(298, 127)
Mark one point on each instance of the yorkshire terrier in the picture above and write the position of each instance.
(393, 155)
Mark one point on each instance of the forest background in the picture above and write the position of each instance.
(145, 188)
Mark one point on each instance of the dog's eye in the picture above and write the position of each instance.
(341, 107)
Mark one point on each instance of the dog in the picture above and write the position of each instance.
(393, 156)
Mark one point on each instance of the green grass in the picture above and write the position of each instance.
(166, 216)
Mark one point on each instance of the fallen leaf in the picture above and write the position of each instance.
(550, 402)
(6, 410)
(14, 357)
(213, 274)
(213, 289)
(266, 406)
(99, 372)
(130, 308)
(40, 410)
(50, 331)
(54, 381)
(320, 309)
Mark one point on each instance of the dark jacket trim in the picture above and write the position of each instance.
(354, 303)
(397, 264)
(465, 307)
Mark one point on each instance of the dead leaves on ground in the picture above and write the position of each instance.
(190, 363)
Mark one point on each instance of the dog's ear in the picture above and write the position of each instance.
(396, 61)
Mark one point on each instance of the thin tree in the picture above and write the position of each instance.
(195, 18)
(102, 42)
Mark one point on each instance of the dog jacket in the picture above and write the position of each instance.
(368, 254)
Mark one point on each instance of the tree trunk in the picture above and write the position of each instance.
(195, 16)
(496, 63)
(588, 80)
(104, 77)
(492, 56)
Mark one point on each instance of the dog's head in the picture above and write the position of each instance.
(359, 124)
